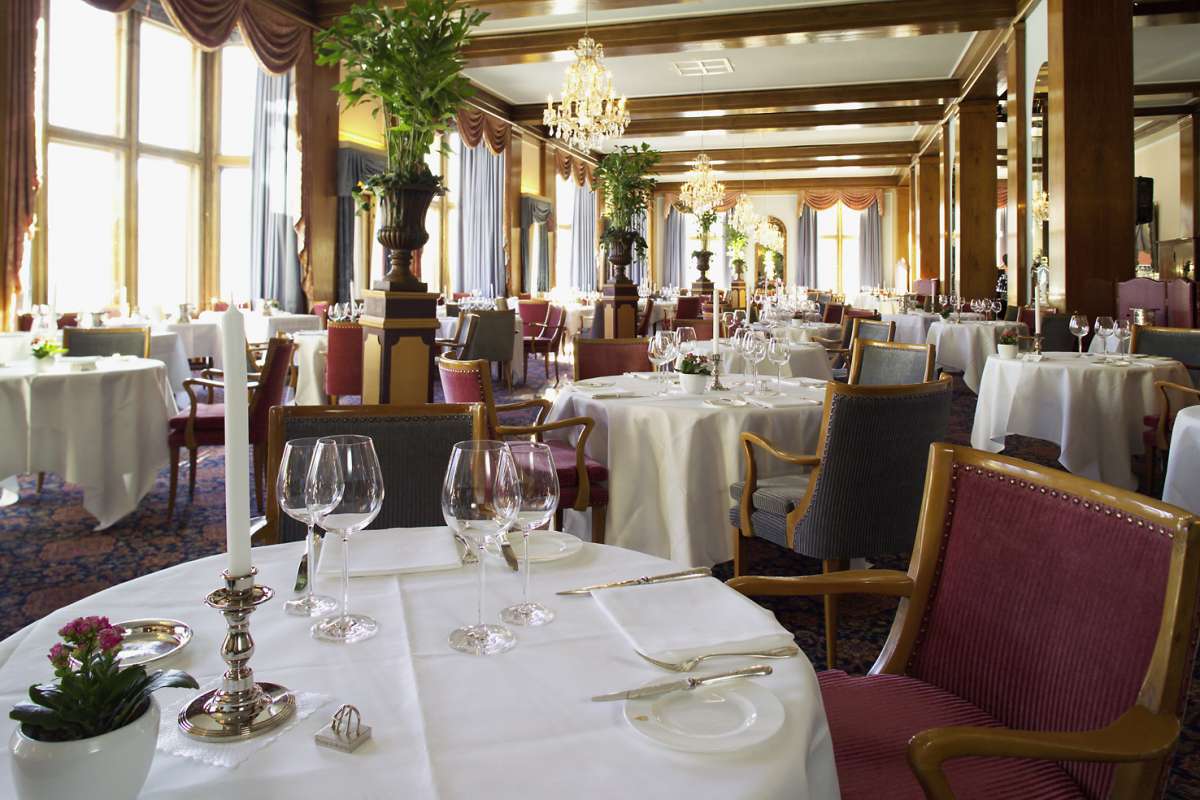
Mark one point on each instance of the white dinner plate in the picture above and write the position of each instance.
(593, 383)
(543, 546)
(720, 718)
(726, 402)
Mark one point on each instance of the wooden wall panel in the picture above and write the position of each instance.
(977, 198)
(929, 223)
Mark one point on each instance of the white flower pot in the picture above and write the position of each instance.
(694, 384)
(1007, 350)
(44, 364)
(112, 766)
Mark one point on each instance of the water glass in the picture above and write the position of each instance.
(779, 354)
(686, 339)
(756, 350)
(1105, 328)
(1079, 328)
(539, 489)
(350, 460)
(290, 490)
(1124, 332)
(481, 498)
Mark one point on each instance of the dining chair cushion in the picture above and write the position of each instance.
(461, 387)
(344, 359)
(767, 525)
(597, 496)
(493, 337)
(210, 426)
(687, 307)
(872, 717)
(777, 495)
(101, 342)
(563, 454)
(888, 366)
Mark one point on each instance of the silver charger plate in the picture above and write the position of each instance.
(148, 640)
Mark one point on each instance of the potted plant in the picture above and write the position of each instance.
(704, 221)
(410, 60)
(1006, 345)
(45, 352)
(624, 177)
(694, 372)
(93, 732)
(735, 244)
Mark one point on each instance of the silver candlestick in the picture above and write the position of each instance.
(240, 708)
(716, 386)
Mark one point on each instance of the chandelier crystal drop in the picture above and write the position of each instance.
(701, 191)
(590, 111)
(744, 218)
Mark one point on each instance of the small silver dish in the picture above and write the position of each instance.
(148, 640)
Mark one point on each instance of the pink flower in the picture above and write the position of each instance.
(110, 638)
(71, 628)
(59, 655)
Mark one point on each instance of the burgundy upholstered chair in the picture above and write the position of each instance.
(220, 305)
(688, 307)
(1042, 647)
(703, 327)
(581, 479)
(533, 313)
(927, 287)
(460, 295)
(833, 313)
(68, 320)
(547, 339)
(203, 424)
(344, 361)
(321, 312)
(1181, 303)
(643, 327)
(1144, 293)
(596, 358)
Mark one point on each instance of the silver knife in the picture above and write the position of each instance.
(506, 550)
(685, 684)
(302, 570)
(698, 572)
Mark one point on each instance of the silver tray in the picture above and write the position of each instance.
(148, 640)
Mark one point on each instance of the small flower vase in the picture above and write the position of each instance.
(694, 384)
(1007, 351)
(44, 363)
(113, 765)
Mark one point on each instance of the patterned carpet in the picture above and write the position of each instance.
(50, 556)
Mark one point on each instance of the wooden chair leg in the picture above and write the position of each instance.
(831, 612)
(508, 374)
(192, 451)
(333, 399)
(174, 482)
(738, 544)
(41, 479)
(599, 513)
(260, 470)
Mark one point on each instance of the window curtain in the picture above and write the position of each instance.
(637, 267)
(870, 243)
(481, 262)
(675, 257)
(534, 210)
(19, 191)
(583, 240)
(806, 268)
(353, 166)
(274, 259)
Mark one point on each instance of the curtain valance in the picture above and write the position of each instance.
(1001, 194)
(569, 167)
(474, 127)
(277, 40)
(854, 199)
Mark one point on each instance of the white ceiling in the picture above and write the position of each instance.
(1166, 53)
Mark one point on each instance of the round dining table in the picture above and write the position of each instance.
(912, 327)
(805, 360)
(1182, 484)
(443, 724)
(1090, 407)
(805, 331)
(965, 346)
(671, 459)
(104, 429)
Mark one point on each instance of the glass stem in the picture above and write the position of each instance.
(311, 542)
(525, 537)
(482, 581)
(345, 575)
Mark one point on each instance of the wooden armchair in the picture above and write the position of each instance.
(581, 479)
(855, 324)
(1157, 437)
(1045, 619)
(464, 337)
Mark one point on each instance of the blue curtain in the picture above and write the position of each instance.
(675, 257)
(481, 266)
(535, 210)
(352, 166)
(870, 243)
(637, 267)
(806, 270)
(274, 261)
(583, 240)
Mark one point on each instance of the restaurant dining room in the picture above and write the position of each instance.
(600, 398)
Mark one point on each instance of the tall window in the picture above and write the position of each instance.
(124, 212)
(564, 211)
(837, 249)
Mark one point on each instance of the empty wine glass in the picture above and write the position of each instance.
(1105, 327)
(351, 459)
(779, 354)
(685, 337)
(662, 350)
(539, 499)
(1079, 328)
(290, 490)
(481, 498)
(756, 350)
(1123, 330)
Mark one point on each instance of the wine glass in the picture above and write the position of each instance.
(756, 351)
(1124, 332)
(290, 489)
(481, 498)
(779, 354)
(539, 499)
(662, 350)
(1105, 327)
(686, 339)
(1079, 327)
(997, 307)
(352, 460)
(727, 323)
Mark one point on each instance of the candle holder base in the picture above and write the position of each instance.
(717, 386)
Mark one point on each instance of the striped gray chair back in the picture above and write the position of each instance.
(876, 330)
(1181, 344)
(889, 364)
(866, 493)
(413, 450)
(493, 340)
(107, 342)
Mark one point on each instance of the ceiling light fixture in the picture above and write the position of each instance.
(744, 217)
(701, 191)
(590, 112)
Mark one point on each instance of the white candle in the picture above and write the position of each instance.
(1037, 312)
(353, 292)
(716, 303)
(237, 443)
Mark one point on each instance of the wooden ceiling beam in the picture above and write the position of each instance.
(1164, 111)
(791, 99)
(788, 120)
(1151, 13)
(805, 163)
(513, 9)
(1171, 87)
(763, 154)
(759, 186)
(822, 23)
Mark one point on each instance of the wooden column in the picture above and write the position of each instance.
(929, 222)
(1091, 153)
(1189, 176)
(319, 142)
(512, 213)
(1016, 145)
(949, 155)
(901, 248)
(977, 198)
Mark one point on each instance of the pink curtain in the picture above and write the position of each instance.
(474, 127)
(854, 199)
(20, 143)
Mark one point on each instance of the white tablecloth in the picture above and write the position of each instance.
(448, 328)
(1092, 411)
(311, 348)
(444, 724)
(200, 339)
(823, 330)
(1182, 486)
(105, 430)
(965, 346)
(808, 360)
(671, 462)
(262, 328)
(913, 326)
(165, 346)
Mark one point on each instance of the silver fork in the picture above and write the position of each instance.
(788, 651)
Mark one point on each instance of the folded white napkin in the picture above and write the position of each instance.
(676, 620)
(392, 551)
(783, 401)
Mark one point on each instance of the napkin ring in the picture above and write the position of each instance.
(345, 731)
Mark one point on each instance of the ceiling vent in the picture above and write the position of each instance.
(706, 66)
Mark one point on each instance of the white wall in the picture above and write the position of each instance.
(1159, 159)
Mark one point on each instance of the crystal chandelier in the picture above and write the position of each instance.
(744, 218)
(701, 191)
(768, 236)
(589, 112)
(1041, 206)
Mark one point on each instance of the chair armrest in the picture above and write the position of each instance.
(1165, 389)
(583, 495)
(1137, 735)
(887, 582)
(789, 458)
(750, 486)
(540, 402)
